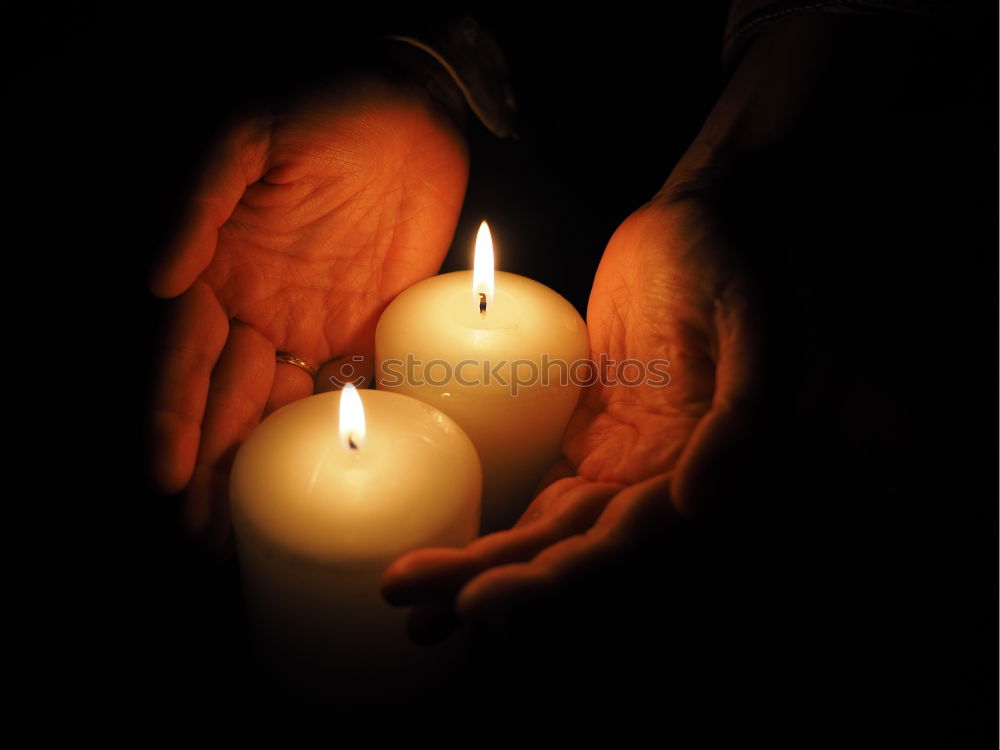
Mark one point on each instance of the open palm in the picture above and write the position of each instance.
(636, 458)
(305, 226)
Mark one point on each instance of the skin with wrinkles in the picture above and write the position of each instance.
(305, 226)
(308, 224)
(634, 457)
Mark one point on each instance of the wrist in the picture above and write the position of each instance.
(459, 65)
(412, 71)
(798, 81)
(758, 108)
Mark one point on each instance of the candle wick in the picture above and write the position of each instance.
(351, 443)
(482, 303)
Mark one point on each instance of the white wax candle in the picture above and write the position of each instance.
(503, 375)
(320, 510)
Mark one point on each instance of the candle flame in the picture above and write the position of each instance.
(352, 419)
(482, 268)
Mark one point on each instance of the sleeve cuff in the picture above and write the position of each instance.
(748, 17)
(470, 57)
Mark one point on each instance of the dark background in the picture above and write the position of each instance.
(870, 610)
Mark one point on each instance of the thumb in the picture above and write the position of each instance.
(715, 464)
(237, 160)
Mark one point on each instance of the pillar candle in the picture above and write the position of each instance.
(325, 493)
(496, 354)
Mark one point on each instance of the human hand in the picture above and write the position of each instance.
(304, 226)
(673, 284)
(637, 459)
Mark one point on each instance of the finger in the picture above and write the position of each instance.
(192, 344)
(437, 573)
(710, 466)
(568, 507)
(636, 514)
(290, 384)
(239, 390)
(358, 369)
(237, 161)
(561, 469)
(427, 574)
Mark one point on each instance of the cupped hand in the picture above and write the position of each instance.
(637, 458)
(306, 223)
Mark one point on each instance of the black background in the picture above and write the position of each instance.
(871, 610)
